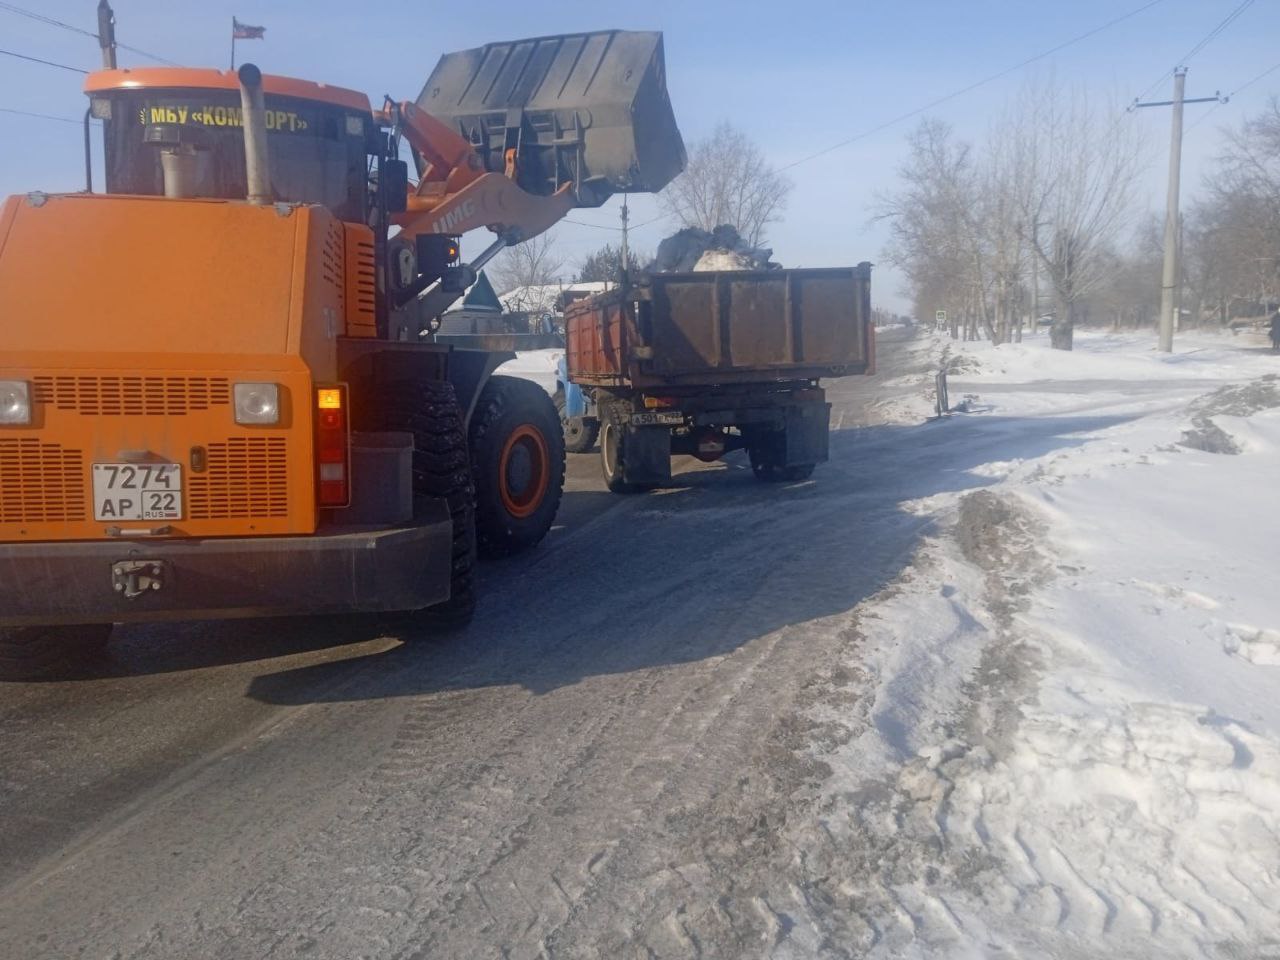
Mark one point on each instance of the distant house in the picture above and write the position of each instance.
(532, 309)
(550, 298)
(479, 311)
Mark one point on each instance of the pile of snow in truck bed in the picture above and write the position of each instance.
(1074, 744)
(696, 250)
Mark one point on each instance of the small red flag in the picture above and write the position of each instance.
(242, 31)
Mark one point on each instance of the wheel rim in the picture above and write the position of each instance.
(573, 429)
(609, 449)
(524, 471)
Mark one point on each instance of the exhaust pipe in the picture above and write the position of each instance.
(254, 112)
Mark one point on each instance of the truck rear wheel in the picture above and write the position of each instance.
(611, 453)
(613, 457)
(34, 653)
(517, 458)
(429, 410)
(579, 432)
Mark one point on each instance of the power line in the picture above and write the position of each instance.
(41, 116)
(49, 20)
(1203, 42)
(32, 15)
(974, 86)
(583, 223)
(1226, 22)
(47, 63)
(1249, 83)
(603, 226)
(1232, 95)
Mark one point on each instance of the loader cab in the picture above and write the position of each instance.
(178, 133)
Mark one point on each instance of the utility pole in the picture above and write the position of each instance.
(1182, 276)
(626, 263)
(1035, 293)
(1172, 266)
(107, 34)
(1035, 278)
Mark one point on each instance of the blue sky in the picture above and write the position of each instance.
(796, 76)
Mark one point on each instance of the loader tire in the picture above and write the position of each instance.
(517, 459)
(441, 469)
(579, 432)
(41, 653)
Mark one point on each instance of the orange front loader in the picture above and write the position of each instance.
(219, 390)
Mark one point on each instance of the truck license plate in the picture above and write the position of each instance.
(670, 418)
(137, 491)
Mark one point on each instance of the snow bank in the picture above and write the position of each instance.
(540, 366)
(1129, 356)
(1074, 742)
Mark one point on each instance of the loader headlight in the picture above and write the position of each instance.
(15, 403)
(257, 403)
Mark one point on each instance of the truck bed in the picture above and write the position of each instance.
(705, 329)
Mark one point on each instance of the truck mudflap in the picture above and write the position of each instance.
(341, 570)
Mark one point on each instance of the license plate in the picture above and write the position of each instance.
(671, 418)
(137, 491)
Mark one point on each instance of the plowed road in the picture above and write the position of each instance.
(601, 764)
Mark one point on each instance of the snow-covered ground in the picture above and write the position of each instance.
(999, 685)
(1073, 744)
(540, 366)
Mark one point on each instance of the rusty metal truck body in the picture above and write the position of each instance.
(705, 363)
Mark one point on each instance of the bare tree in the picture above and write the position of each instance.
(1129, 294)
(1250, 166)
(727, 180)
(530, 264)
(1086, 168)
(1008, 181)
(1245, 211)
(1053, 183)
(936, 237)
(606, 264)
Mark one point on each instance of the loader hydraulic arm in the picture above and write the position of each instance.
(512, 136)
(455, 192)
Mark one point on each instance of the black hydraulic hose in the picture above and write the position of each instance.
(88, 151)
(382, 288)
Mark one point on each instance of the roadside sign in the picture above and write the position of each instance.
(940, 316)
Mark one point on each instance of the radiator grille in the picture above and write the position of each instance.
(40, 482)
(361, 277)
(331, 266)
(132, 396)
(246, 478)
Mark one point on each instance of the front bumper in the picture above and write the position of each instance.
(334, 571)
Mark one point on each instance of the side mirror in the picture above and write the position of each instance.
(394, 175)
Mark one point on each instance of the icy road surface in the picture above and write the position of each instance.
(1002, 685)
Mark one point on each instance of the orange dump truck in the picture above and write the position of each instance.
(219, 391)
(702, 364)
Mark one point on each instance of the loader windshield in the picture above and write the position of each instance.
(191, 143)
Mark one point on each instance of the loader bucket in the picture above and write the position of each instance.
(589, 109)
